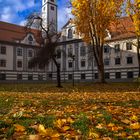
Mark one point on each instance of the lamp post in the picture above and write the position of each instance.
(73, 58)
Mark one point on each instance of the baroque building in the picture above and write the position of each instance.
(77, 59)
(18, 46)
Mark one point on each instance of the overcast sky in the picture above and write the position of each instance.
(16, 11)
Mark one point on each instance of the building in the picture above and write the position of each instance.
(120, 55)
(18, 46)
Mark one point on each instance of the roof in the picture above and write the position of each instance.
(123, 29)
(67, 23)
(11, 32)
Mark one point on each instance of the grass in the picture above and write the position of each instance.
(87, 111)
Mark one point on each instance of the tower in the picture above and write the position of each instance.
(49, 13)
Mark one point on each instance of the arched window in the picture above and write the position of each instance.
(30, 39)
(70, 33)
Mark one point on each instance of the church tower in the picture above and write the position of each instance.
(49, 13)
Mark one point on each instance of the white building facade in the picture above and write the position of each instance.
(76, 59)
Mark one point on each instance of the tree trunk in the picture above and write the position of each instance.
(58, 73)
(101, 73)
(101, 65)
(58, 76)
(138, 55)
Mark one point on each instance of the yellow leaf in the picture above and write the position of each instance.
(99, 126)
(55, 135)
(93, 135)
(19, 128)
(70, 120)
(135, 118)
(41, 129)
(65, 128)
(136, 134)
(110, 125)
(135, 126)
(129, 137)
(126, 121)
(34, 137)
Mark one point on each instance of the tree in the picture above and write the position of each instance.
(133, 10)
(92, 19)
(47, 51)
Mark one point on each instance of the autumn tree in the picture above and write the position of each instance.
(92, 19)
(133, 10)
(46, 52)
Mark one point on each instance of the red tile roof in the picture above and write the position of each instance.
(123, 29)
(11, 32)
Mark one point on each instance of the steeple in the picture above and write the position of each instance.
(49, 13)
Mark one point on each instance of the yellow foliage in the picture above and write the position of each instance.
(92, 17)
(133, 10)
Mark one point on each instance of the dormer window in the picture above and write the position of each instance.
(70, 33)
(30, 39)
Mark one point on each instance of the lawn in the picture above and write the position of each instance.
(86, 112)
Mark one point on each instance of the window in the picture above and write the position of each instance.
(129, 46)
(30, 77)
(117, 48)
(95, 63)
(70, 50)
(82, 51)
(83, 63)
(52, 8)
(96, 76)
(118, 75)
(19, 76)
(52, 0)
(41, 66)
(58, 54)
(2, 63)
(50, 75)
(106, 61)
(44, 1)
(44, 8)
(70, 64)
(19, 64)
(117, 61)
(3, 50)
(70, 77)
(29, 65)
(129, 60)
(83, 76)
(106, 49)
(30, 53)
(40, 77)
(107, 75)
(70, 33)
(130, 74)
(30, 39)
(19, 51)
(2, 76)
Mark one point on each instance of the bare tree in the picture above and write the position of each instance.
(47, 51)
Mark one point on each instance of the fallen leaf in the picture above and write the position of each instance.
(135, 126)
(19, 128)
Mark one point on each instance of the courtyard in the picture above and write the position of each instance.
(86, 111)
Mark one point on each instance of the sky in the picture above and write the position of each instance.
(16, 11)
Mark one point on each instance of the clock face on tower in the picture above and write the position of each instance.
(49, 13)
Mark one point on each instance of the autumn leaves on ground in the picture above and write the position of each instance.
(88, 111)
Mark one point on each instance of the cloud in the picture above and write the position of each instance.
(22, 23)
(64, 14)
(13, 10)
(16, 11)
